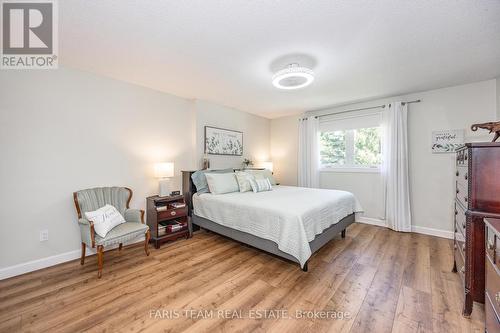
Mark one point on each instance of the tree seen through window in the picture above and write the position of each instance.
(351, 148)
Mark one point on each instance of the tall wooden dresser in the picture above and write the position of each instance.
(492, 292)
(477, 197)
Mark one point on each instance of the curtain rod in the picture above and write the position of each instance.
(367, 108)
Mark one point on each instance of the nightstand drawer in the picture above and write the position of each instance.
(165, 214)
(172, 214)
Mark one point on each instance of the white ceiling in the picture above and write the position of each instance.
(226, 51)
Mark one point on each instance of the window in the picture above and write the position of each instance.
(351, 142)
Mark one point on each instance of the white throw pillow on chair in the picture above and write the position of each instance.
(105, 219)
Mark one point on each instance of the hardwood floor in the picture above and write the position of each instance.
(379, 280)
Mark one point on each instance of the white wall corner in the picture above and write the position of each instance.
(498, 97)
(35, 265)
(414, 228)
(370, 220)
(432, 232)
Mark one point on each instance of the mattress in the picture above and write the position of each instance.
(289, 216)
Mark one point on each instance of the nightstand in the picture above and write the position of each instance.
(167, 218)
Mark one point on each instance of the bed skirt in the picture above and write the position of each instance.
(269, 246)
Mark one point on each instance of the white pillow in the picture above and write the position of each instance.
(220, 183)
(105, 219)
(260, 185)
(243, 179)
(260, 174)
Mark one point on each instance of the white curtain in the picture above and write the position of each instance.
(395, 167)
(309, 152)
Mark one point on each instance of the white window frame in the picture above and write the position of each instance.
(350, 167)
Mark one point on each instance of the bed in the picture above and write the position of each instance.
(290, 222)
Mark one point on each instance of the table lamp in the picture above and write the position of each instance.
(268, 166)
(164, 171)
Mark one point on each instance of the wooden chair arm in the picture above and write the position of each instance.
(92, 233)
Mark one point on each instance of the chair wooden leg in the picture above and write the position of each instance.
(82, 258)
(146, 242)
(100, 260)
(120, 247)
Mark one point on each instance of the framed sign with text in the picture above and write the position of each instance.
(447, 141)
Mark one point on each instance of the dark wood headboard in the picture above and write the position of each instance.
(188, 189)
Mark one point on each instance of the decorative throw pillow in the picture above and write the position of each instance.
(105, 219)
(260, 174)
(260, 185)
(220, 183)
(200, 180)
(243, 179)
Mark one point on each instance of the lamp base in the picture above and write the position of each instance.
(164, 187)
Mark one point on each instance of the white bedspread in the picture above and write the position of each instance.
(289, 216)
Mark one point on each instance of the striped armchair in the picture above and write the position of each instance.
(91, 199)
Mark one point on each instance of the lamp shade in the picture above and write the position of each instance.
(268, 165)
(164, 170)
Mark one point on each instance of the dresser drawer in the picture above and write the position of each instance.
(462, 176)
(462, 194)
(493, 284)
(478, 183)
(460, 243)
(491, 241)
(460, 219)
(492, 321)
(460, 262)
(462, 157)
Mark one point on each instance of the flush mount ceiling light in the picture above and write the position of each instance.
(293, 77)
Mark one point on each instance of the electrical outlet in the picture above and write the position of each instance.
(44, 235)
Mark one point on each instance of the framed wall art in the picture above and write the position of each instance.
(220, 141)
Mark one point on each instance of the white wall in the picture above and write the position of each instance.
(367, 186)
(255, 130)
(431, 175)
(284, 149)
(64, 130)
(498, 98)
